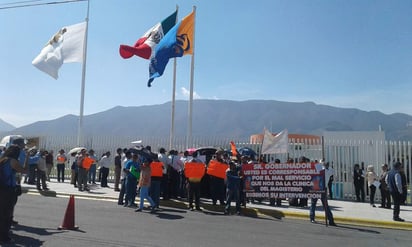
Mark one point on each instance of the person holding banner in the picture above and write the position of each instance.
(324, 200)
(329, 175)
(233, 180)
(217, 173)
(194, 171)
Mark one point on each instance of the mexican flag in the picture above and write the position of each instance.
(145, 46)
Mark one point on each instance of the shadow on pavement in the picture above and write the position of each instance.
(19, 240)
(357, 229)
(24, 241)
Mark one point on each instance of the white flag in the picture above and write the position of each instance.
(275, 144)
(66, 46)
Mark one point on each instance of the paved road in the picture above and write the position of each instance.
(345, 212)
(103, 223)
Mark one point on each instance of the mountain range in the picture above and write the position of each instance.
(4, 126)
(224, 118)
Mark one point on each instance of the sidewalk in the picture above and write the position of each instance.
(345, 212)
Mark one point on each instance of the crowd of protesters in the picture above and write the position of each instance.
(165, 175)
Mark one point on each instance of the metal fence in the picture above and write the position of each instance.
(341, 152)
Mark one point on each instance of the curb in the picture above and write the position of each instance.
(250, 211)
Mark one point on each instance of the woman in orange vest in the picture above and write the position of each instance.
(194, 171)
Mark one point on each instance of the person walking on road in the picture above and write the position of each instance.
(394, 182)
(326, 207)
(144, 184)
(324, 200)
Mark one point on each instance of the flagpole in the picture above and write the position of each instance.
(172, 125)
(261, 145)
(80, 128)
(192, 67)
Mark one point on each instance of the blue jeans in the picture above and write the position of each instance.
(60, 172)
(155, 191)
(329, 214)
(144, 194)
(92, 173)
(131, 184)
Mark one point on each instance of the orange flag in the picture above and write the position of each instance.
(233, 148)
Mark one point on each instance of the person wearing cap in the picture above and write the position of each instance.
(394, 182)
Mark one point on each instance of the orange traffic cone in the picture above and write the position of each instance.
(68, 221)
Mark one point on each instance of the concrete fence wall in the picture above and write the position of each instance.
(341, 149)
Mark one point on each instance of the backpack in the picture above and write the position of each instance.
(135, 172)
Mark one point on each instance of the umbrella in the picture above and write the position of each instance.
(137, 142)
(245, 151)
(76, 150)
(142, 151)
(191, 150)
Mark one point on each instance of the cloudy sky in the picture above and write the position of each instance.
(343, 53)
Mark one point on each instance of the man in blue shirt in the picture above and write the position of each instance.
(394, 182)
(132, 170)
